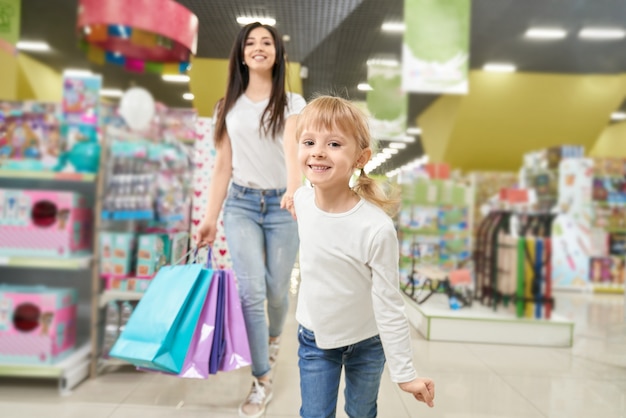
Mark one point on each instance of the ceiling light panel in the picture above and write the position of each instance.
(499, 67)
(33, 46)
(602, 33)
(175, 78)
(245, 20)
(545, 33)
(393, 27)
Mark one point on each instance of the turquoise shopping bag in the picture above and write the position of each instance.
(159, 331)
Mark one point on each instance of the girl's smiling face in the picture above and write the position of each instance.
(328, 159)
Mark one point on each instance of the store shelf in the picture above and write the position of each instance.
(70, 263)
(480, 324)
(70, 371)
(111, 295)
(47, 175)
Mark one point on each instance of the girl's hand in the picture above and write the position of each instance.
(423, 389)
(287, 203)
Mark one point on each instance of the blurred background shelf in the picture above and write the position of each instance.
(69, 371)
(47, 175)
(70, 263)
(112, 295)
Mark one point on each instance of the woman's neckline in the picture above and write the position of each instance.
(255, 101)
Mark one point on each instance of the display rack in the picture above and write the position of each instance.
(140, 219)
(479, 324)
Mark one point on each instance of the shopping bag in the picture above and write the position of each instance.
(159, 332)
(236, 347)
(219, 343)
(196, 365)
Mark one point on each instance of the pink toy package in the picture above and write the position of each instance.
(37, 324)
(44, 223)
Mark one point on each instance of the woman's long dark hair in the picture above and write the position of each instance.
(273, 117)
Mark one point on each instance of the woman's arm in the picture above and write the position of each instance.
(220, 178)
(294, 176)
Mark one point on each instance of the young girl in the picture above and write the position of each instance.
(350, 309)
(250, 179)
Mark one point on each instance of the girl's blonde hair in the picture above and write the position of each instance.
(329, 113)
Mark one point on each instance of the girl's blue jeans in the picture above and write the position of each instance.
(320, 373)
(263, 243)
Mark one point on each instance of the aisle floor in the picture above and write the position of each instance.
(472, 380)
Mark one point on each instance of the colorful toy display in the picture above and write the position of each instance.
(30, 137)
(433, 228)
(44, 223)
(37, 323)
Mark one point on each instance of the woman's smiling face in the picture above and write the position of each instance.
(259, 50)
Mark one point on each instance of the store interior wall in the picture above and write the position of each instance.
(611, 142)
(507, 115)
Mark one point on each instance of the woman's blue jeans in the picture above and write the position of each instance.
(320, 373)
(263, 243)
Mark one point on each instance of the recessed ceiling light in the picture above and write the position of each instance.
(390, 151)
(33, 46)
(414, 130)
(175, 78)
(397, 145)
(111, 93)
(618, 116)
(385, 62)
(602, 33)
(245, 20)
(405, 138)
(77, 72)
(545, 33)
(364, 87)
(499, 67)
(188, 96)
(394, 27)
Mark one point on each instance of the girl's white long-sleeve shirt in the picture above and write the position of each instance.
(349, 287)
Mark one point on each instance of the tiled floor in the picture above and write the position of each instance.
(472, 380)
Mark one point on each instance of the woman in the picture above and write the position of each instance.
(253, 181)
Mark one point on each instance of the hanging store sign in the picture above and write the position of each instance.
(435, 51)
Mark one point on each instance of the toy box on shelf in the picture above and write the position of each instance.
(37, 324)
(30, 137)
(44, 223)
(53, 137)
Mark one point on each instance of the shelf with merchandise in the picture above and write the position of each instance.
(111, 295)
(78, 262)
(48, 175)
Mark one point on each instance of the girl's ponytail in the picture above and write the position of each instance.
(370, 190)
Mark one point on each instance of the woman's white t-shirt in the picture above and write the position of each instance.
(258, 160)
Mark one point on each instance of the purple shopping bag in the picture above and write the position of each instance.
(237, 350)
(218, 349)
(196, 365)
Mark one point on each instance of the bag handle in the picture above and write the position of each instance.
(210, 259)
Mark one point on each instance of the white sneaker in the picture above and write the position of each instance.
(254, 405)
(274, 347)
